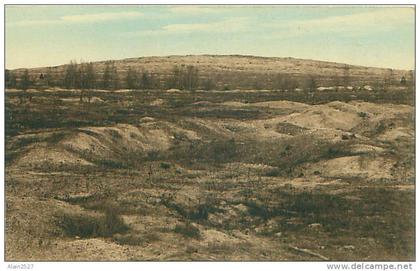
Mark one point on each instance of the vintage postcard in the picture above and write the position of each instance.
(209, 133)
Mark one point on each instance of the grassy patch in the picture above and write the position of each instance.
(89, 226)
(216, 151)
(375, 213)
(164, 165)
(197, 212)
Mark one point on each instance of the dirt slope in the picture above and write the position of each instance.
(220, 180)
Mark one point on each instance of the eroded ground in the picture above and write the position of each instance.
(208, 176)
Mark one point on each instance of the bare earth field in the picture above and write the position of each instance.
(234, 175)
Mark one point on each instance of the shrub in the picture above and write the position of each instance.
(88, 226)
(274, 172)
(216, 151)
(223, 151)
(80, 225)
(112, 223)
(188, 230)
(108, 163)
(164, 165)
(362, 114)
(153, 155)
(381, 127)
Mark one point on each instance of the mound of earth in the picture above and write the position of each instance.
(354, 167)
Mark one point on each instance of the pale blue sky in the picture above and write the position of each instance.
(52, 35)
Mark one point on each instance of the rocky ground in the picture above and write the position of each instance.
(208, 176)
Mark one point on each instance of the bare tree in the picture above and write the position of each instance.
(411, 79)
(132, 79)
(209, 84)
(70, 77)
(285, 82)
(388, 79)
(110, 79)
(191, 78)
(6, 77)
(184, 77)
(89, 79)
(24, 84)
(115, 81)
(49, 78)
(85, 80)
(175, 81)
(257, 83)
(310, 84)
(106, 78)
(80, 82)
(10, 79)
(154, 81)
(145, 80)
(403, 81)
(346, 76)
(336, 82)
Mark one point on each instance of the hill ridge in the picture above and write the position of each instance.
(239, 71)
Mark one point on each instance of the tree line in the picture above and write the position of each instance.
(86, 76)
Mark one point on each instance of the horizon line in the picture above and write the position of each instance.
(219, 55)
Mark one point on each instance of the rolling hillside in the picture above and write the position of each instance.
(242, 72)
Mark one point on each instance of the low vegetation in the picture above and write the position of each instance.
(187, 230)
(206, 175)
(90, 226)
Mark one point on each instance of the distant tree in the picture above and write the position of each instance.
(145, 80)
(110, 79)
(285, 82)
(191, 78)
(184, 77)
(90, 76)
(70, 76)
(25, 81)
(346, 76)
(209, 84)
(24, 84)
(10, 79)
(132, 79)
(80, 73)
(80, 82)
(41, 81)
(388, 79)
(85, 79)
(257, 83)
(403, 81)
(106, 78)
(278, 82)
(115, 81)
(411, 79)
(48, 78)
(6, 77)
(154, 81)
(336, 82)
(310, 84)
(176, 80)
(89, 79)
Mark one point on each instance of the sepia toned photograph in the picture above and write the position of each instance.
(209, 133)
